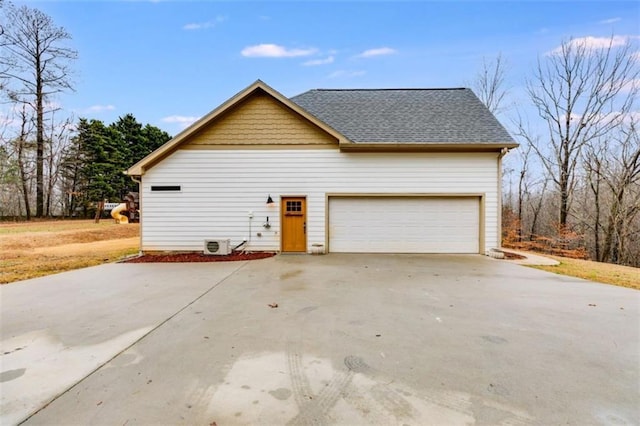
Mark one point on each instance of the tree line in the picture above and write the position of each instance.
(51, 164)
(573, 186)
(83, 164)
(92, 167)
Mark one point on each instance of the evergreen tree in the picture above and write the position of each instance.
(95, 161)
(107, 154)
(137, 142)
(154, 139)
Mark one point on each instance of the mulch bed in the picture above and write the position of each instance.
(197, 257)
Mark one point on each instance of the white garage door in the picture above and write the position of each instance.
(404, 224)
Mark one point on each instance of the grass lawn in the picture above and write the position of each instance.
(34, 249)
(623, 276)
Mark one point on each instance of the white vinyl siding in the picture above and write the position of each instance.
(404, 224)
(220, 187)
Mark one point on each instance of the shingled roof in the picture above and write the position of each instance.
(424, 116)
(392, 120)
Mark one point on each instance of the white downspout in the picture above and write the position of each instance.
(503, 152)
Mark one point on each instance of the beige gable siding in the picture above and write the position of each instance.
(260, 120)
(219, 189)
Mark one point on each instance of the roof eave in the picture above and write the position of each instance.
(425, 147)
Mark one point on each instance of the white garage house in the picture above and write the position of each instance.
(384, 171)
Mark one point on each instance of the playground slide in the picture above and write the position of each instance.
(115, 213)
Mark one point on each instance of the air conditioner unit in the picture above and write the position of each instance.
(221, 246)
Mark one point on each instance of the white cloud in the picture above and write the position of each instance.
(610, 20)
(268, 50)
(182, 120)
(617, 116)
(591, 42)
(633, 84)
(99, 108)
(346, 74)
(196, 26)
(633, 116)
(314, 62)
(613, 116)
(204, 25)
(575, 118)
(376, 52)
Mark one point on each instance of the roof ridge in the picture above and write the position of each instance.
(388, 89)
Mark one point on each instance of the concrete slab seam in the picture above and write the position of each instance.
(134, 343)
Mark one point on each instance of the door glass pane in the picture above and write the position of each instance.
(293, 207)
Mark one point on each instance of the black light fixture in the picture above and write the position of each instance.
(269, 200)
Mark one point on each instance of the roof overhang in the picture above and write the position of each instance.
(156, 156)
(424, 147)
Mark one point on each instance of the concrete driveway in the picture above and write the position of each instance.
(355, 339)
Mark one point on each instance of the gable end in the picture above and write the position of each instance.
(260, 120)
(258, 116)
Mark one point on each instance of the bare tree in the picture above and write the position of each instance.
(34, 64)
(10, 193)
(535, 205)
(57, 141)
(489, 83)
(594, 156)
(619, 171)
(531, 192)
(3, 67)
(524, 182)
(22, 149)
(582, 93)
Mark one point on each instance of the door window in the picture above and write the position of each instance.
(293, 208)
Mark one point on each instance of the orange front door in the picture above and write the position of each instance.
(294, 224)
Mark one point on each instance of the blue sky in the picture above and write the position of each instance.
(170, 62)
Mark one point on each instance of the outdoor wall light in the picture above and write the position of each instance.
(269, 199)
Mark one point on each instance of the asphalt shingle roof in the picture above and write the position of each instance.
(438, 116)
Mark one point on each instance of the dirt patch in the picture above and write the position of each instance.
(198, 257)
(34, 249)
(56, 237)
(38, 225)
(79, 249)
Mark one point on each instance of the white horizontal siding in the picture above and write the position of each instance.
(219, 187)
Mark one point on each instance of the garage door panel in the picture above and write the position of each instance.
(404, 224)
